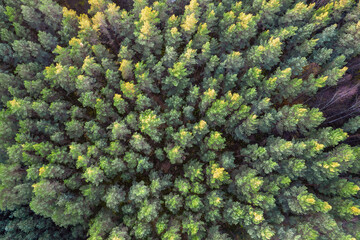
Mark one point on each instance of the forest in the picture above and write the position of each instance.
(180, 120)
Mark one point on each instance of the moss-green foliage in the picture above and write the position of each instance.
(175, 120)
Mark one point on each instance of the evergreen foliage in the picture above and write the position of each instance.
(175, 120)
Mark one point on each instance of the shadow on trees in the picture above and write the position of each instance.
(82, 6)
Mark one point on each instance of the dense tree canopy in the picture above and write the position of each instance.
(176, 120)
